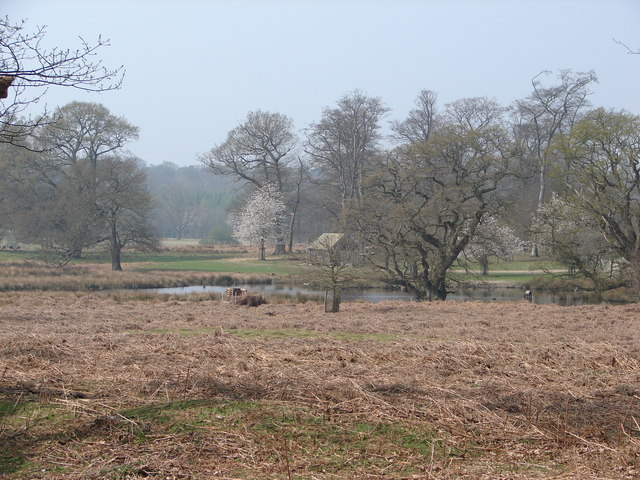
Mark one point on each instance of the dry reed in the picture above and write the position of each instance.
(177, 389)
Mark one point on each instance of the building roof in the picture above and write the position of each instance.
(326, 240)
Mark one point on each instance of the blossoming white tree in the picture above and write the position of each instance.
(493, 239)
(261, 220)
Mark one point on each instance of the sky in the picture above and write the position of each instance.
(195, 68)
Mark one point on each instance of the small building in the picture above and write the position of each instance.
(337, 245)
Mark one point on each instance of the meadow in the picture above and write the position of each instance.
(97, 387)
(199, 265)
(100, 383)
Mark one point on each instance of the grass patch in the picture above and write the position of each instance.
(10, 460)
(260, 334)
(27, 419)
(265, 334)
(520, 278)
(341, 445)
(381, 337)
(228, 265)
(188, 415)
(9, 407)
(270, 334)
(332, 444)
(183, 332)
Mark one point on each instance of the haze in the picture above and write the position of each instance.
(195, 68)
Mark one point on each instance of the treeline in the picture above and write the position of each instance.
(471, 179)
(453, 181)
(190, 202)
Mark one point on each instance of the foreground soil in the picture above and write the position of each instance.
(94, 387)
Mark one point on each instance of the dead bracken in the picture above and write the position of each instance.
(92, 387)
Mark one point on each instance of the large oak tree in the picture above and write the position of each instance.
(426, 200)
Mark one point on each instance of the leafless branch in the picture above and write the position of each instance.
(27, 69)
(629, 50)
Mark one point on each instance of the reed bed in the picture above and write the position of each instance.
(33, 275)
(96, 387)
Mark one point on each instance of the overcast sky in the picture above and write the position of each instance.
(194, 69)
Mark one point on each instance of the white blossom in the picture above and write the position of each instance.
(493, 239)
(261, 220)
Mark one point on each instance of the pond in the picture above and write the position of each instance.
(375, 295)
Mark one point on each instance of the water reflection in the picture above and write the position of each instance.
(375, 295)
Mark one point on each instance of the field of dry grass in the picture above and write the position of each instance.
(96, 387)
(23, 275)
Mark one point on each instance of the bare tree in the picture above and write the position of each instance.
(27, 69)
(180, 209)
(331, 258)
(124, 204)
(72, 146)
(258, 152)
(420, 122)
(602, 181)
(342, 146)
(84, 130)
(72, 194)
(427, 200)
(546, 113)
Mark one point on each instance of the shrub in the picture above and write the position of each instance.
(251, 300)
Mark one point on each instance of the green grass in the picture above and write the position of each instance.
(271, 334)
(514, 278)
(521, 263)
(7, 255)
(522, 271)
(183, 332)
(265, 334)
(188, 415)
(23, 418)
(200, 262)
(10, 460)
(226, 265)
(336, 443)
(381, 337)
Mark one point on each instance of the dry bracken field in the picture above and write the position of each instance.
(99, 387)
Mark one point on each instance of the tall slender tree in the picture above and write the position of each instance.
(342, 146)
(420, 122)
(547, 112)
(124, 205)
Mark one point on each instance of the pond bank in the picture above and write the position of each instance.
(376, 295)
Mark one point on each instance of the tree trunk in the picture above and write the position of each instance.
(280, 248)
(335, 301)
(541, 193)
(484, 266)
(262, 257)
(440, 292)
(437, 289)
(634, 266)
(294, 212)
(116, 265)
